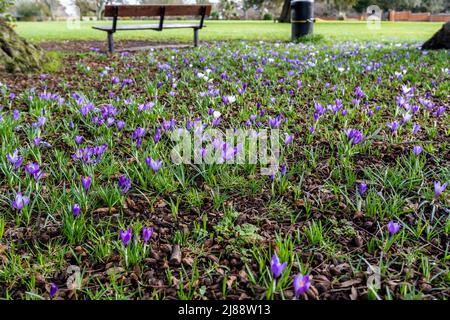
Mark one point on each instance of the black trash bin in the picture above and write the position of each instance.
(302, 18)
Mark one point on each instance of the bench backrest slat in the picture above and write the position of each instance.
(151, 10)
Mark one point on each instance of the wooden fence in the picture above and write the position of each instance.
(420, 16)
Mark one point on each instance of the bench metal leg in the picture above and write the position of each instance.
(110, 42)
(195, 37)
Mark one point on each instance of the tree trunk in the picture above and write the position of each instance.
(16, 53)
(285, 12)
(441, 40)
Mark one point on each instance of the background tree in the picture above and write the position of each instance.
(87, 7)
(343, 5)
(100, 8)
(285, 15)
(93, 6)
(248, 4)
(227, 8)
(17, 54)
(27, 10)
(49, 7)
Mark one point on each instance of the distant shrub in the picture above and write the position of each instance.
(28, 10)
(267, 16)
(341, 17)
(214, 15)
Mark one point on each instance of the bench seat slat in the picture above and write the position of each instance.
(145, 27)
(155, 10)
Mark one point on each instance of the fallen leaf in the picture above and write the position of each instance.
(350, 283)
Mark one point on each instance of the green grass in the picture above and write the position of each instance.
(234, 30)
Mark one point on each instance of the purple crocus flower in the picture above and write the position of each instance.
(40, 122)
(20, 201)
(439, 188)
(53, 290)
(154, 164)
(115, 80)
(417, 150)
(147, 234)
(216, 122)
(362, 188)
(354, 136)
(138, 133)
(166, 124)
(120, 124)
(34, 170)
(84, 110)
(202, 152)
(440, 110)
(124, 184)
(274, 122)
(406, 117)
(416, 128)
(393, 126)
(125, 236)
(320, 109)
(393, 227)
(16, 114)
(359, 93)
(283, 170)
(276, 267)
(272, 176)
(288, 139)
(86, 181)
(110, 121)
(14, 159)
(37, 141)
(78, 139)
(76, 209)
(301, 284)
(157, 135)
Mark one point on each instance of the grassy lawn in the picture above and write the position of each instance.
(234, 30)
(88, 179)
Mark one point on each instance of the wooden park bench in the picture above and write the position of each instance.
(162, 11)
